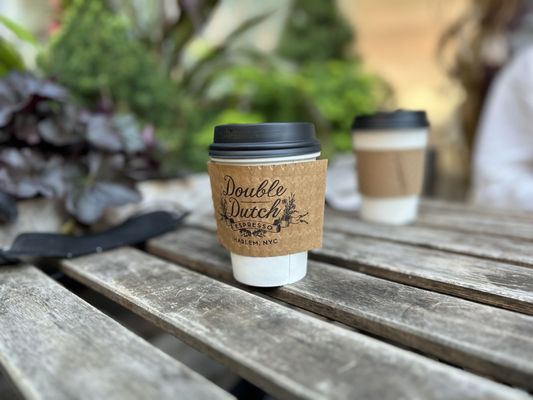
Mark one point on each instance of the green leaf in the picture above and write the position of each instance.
(221, 50)
(21, 32)
(247, 25)
(10, 59)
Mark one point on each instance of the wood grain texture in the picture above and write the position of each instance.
(515, 251)
(500, 223)
(456, 207)
(288, 353)
(489, 340)
(503, 285)
(55, 346)
(486, 281)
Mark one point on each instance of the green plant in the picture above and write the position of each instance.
(315, 31)
(113, 55)
(21, 32)
(136, 56)
(340, 90)
(10, 59)
(326, 93)
(98, 59)
(312, 79)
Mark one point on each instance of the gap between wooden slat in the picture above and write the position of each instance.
(507, 250)
(468, 334)
(485, 281)
(287, 353)
(55, 346)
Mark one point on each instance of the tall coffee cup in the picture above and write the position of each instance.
(268, 193)
(390, 150)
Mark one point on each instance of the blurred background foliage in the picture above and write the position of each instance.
(315, 32)
(152, 60)
(176, 68)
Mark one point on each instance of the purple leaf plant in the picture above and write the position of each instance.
(51, 147)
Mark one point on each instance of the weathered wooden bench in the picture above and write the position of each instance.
(442, 309)
(55, 346)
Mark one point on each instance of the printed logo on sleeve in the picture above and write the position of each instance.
(269, 210)
(256, 212)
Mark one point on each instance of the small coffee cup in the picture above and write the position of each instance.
(390, 149)
(285, 145)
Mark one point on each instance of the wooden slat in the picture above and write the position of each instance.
(486, 281)
(499, 224)
(488, 340)
(455, 207)
(289, 354)
(462, 223)
(465, 218)
(515, 251)
(55, 346)
(503, 285)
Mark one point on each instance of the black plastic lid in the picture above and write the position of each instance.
(276, 139)
(399, 119)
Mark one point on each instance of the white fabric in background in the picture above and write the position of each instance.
(503, 155)
(341, 187)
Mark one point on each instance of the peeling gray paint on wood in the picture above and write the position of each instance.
(55, 346)
(488, 340)
(289, 354)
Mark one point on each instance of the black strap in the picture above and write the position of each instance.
(53, 245)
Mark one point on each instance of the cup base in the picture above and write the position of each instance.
(391, 210)
(269, 271)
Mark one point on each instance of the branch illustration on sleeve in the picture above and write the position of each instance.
(291, 215)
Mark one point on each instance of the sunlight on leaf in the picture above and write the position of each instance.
(21, 32)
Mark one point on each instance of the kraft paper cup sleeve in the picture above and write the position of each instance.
(391, 173)
(269, 210)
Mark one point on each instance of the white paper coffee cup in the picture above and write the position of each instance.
(390, 150)
(266, 144)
